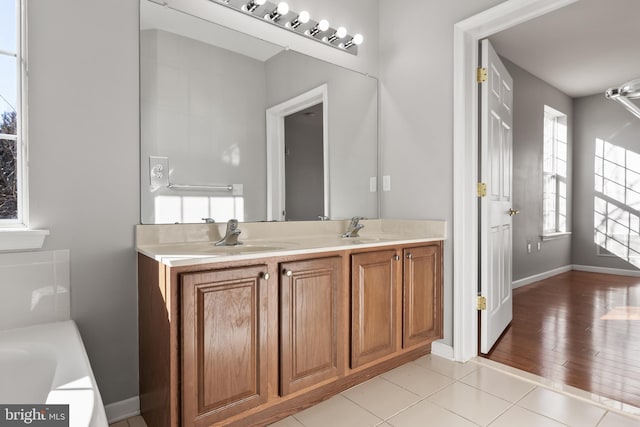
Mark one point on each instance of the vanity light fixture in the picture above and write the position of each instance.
(355, 41)
(273, 11)
(253, 5)
(340, 33)
(323, 26)
(302, 18)
(276, 14)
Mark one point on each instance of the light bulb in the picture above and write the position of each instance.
(323, 25)
(340, 33)
(304, 17)
(355, 41)
(283, 8)
(253, 5)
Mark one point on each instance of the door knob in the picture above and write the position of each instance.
(513, 212)
(265, 276)
(288, 273)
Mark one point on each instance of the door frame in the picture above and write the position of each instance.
(275, 147)
(467, 33)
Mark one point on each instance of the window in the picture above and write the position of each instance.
(554, 171)
(11, 142)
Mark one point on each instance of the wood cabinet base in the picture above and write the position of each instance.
(246, 343)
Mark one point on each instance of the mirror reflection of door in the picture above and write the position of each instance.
(304, 165)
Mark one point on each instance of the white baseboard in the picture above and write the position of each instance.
(122, 410)
(541, 276)
(442, 350)
(605, 270)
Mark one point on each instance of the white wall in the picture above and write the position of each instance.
(416, 72)
(83, 159)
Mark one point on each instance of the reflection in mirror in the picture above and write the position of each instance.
(205, 93)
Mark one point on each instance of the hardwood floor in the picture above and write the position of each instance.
(580, 328)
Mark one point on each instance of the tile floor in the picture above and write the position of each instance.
(436, 392)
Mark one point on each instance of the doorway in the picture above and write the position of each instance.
(303, 165)
(467, 34)
(276, 149)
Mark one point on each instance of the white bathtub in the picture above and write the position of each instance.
(47, 364)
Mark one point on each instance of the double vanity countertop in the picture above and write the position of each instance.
(192, 244)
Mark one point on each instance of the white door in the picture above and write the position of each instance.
(496, 118)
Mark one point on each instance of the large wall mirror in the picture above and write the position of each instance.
(236, 127)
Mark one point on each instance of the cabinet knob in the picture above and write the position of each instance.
(409, 255)
(265, 276)
(288, 273)
(396, 257)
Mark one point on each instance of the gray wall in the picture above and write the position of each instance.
(353, 114)
(530, 96)
(83, 168)
(597, 117)
(203, 108)
(416, 72)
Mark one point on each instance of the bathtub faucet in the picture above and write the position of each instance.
(231, 235)
(354, 227)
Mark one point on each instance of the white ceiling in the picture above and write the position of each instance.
(581, 49)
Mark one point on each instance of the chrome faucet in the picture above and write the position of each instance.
(354, 227)
(209, 220)
(231, 235)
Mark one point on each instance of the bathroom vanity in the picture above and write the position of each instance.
(249, 334)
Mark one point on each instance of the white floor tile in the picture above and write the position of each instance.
(470, 403)
(499, 384)
(427, 414)
(381, 397)
(567, 410)
(612, 419)
(521, 417)
(287, 422)
(337, 412)
(137, 422)
(446, 367)
(417, 379)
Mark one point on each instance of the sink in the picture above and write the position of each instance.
(237, 249)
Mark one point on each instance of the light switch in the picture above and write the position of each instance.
(528, 248)
(373, 184)
(386, 183)
(539, 246)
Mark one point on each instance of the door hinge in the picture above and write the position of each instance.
(482, 303)
(482, 189)
(481, 75)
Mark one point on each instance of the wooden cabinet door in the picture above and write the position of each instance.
(422, 295)
(310, 348)
(375, 285)
(224, 343)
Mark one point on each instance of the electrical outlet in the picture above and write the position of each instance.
(158, 172)
(539, 246)
(528, 247)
